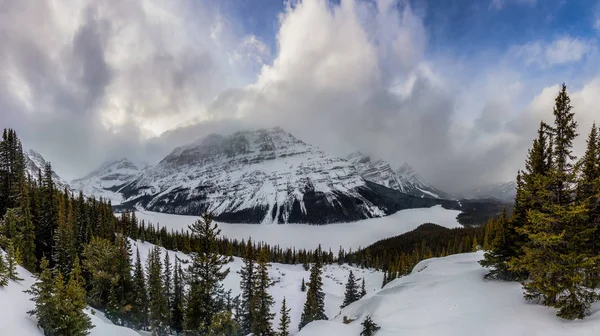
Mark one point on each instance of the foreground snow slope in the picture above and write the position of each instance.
(14, 305)
(448, 296)
(354, 234)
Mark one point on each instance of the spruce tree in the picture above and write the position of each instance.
(284, 320)
(168, 285)
(3, 271)
(27, 233)
(157, 301)
(11, 264)
(363, 290)
(73, 321)
(262, 301)
(42, 292)
(247, 286)
(177, 304)
(314, 307)
(303, 286)
(139, 309)
(205, 275)
(369, 327)
(351, 294)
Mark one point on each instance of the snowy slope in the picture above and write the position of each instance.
(404, 179)
(14, 305)
(261, 176)
(288, 280)
(106, 181)
(448, 296)
(35, 162)
(349, 235)
(503, 191)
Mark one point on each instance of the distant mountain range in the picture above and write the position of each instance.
(503, 191)
(35, 164)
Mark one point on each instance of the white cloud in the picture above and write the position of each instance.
(499, 4)
(597, 23)
(560, 51)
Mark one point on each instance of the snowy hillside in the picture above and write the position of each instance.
(404, 179)
(262, 176)
(448, 296)
(106, 181)
(35, 162)
(350, 235)
(503, 191)
(14, 305)
(288, 280)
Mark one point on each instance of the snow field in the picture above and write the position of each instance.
(305, 236)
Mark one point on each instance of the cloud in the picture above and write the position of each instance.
(93, 81)
(499, 4)
(560, 51)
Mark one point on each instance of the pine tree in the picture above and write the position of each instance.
(588, 186)
(284, 320)
(177, 304)
(557, 258)
(205, 275)
(262, 301)
(73, 321)
(168, 285)
(223, 324)
(27, 241)
(351, 293)
(42, 292)
(3, 271)
(314, 307)
(303, 286)
(369, 327)
(363, 290)
(157, 301)
(139, 309)
(11, 264)
(247, 286)
(64, 238)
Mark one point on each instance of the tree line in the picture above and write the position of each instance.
(550, 243)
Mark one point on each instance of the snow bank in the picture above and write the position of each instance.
(448, 296)
(354, 234)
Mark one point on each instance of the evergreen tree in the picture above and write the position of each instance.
(72, 320)
(177, 304)
(11, 264)
(557, 258)
(314, 307)
(223, 324)
(168, 285)
(42, 292)
(303, 286)
(369, 327)
(262, 301)
(205, 275)
(157, 300)
(3, 271)
(351, 294)
(247, 286)
(363, 290)
(27, 234)
(284, 320)
(139, 309)
(64, 237)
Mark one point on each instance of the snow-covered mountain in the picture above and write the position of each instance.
(404, 179)
(503, 191)
(106, 181)
(262, 176)
(35, 162)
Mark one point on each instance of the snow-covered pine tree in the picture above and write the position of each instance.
(363, 290)
(3, 271)
(205, 275)
(42, 292)
(351, 294)
(284, 320)
(262, 301)
(247, 286)
(369, 327)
